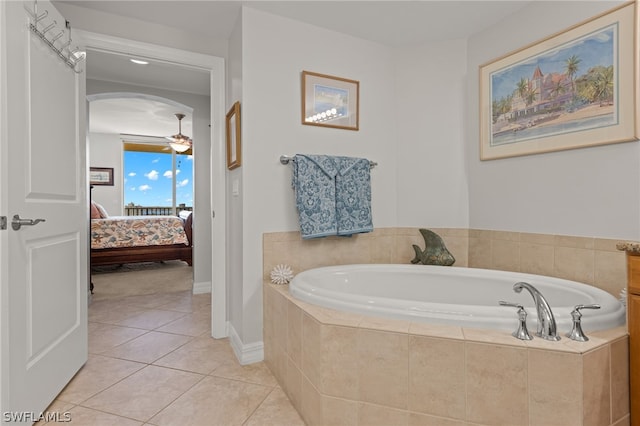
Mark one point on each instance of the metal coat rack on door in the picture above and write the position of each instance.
(72, 57)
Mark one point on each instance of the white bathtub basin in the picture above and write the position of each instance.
(467, 297)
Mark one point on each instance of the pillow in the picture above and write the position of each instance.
(103, 212)
(95, 213)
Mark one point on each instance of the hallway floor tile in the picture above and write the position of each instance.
(152, 362)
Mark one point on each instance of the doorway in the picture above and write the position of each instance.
(215, 162)
(149, 178)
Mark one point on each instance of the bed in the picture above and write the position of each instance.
(130, 239)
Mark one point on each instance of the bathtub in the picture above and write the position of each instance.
(466, 297)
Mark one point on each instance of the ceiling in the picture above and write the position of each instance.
(393, 23)
(137, 116)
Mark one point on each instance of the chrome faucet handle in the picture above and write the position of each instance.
(576, 332)
(522, 332)
(547, 328)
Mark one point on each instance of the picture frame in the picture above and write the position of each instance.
(574, 89)
(234, 140)
(329, 101)
(101, 176)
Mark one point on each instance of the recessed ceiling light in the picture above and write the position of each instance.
(139, 62)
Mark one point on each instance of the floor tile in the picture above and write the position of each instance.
(153, 361)
(143, 394)
(196, 303)
(257, 373)
(111, 312)
(150, 319)
(189, 325)
(276, 410)
(103, 337)
(200, 355)
(214, 401)
(97, 375)
(155, 300)
(148, 347)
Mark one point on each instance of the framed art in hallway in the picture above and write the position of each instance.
(234, 141)
(101, 176)
(329, 101)
(574, 89)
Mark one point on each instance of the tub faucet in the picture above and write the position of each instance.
(546, 321)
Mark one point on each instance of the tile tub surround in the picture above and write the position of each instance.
(383, 245)
(593, 261)
(341, 368)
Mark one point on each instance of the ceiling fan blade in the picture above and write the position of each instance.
(130, 137)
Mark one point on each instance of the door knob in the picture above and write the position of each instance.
(17, 223)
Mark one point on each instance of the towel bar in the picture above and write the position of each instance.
(285, 159)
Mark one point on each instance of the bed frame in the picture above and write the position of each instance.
(122, 255)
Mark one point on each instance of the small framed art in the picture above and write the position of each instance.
(234, 140)
(329, 101)
(101, 176)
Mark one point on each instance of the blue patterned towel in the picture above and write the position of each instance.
(353, 196)
(333, 195)
(314, 184)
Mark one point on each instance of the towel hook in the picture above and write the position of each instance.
(34, 13)
(40, 17)
(57, 36)
(48, 27)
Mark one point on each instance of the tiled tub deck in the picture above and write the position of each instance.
(348, 369)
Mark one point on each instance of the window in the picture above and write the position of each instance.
(157, 180)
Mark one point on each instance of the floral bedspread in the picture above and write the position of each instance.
(130, 231)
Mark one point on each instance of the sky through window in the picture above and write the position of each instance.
(149, 176)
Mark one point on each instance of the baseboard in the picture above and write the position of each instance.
(202, 287)
(246, 354)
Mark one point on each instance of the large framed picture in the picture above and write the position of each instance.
(101, 176)
(234, 140)
(329, 101)
(575, 89)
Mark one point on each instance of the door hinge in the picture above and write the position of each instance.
(3, 223)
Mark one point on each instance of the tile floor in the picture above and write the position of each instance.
(152, 362)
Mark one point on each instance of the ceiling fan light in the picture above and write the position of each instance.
(180, 142)
(179, 146)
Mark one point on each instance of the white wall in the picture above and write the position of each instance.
(234, 223)
(275, 51)
(430, 84)
(105, 150)
(590, 192)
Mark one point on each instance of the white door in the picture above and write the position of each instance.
(43, 279)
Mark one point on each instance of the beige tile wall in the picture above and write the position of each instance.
(384, 245)
(349, 369)
(592, 261)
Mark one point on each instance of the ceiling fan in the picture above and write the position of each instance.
(178, 142)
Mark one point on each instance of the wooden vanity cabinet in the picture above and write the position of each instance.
(633, 326)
